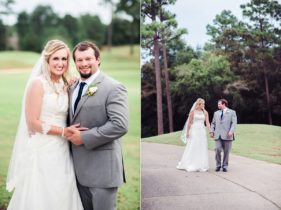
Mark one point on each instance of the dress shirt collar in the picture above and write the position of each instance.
(91, 78)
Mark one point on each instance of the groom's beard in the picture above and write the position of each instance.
(85, 76)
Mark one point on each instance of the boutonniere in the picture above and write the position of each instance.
(92, 89)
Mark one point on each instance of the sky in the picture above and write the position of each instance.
(62, 7)
(194, 15)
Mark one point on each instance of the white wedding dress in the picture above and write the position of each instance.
(48, 180)
(195, 156)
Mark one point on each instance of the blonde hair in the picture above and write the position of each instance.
(50, 48)
(198, 102)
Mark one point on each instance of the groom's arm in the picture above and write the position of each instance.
(233, 122)
(117, 123)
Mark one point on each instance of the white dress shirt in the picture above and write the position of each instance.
(88, 82)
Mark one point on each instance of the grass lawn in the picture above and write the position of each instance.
(118, 64)
(260, 142)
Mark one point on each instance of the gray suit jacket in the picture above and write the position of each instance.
(99, 162)
(222, 126)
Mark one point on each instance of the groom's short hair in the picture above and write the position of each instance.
(224, 101)
(82, 46)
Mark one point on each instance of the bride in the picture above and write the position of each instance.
(41, 169)
(195, 156)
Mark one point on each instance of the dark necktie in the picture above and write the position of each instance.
(82, 84)
(221, 114)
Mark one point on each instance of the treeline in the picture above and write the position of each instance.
(33, 29)
(242, 63)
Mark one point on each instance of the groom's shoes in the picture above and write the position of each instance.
(218, 168)
(224, 169)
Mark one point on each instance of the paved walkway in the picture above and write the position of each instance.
(249, 184)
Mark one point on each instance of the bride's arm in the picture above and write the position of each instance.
(33, 105)
(189, 122)
(207, 121)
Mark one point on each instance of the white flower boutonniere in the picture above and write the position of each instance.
(91, 90)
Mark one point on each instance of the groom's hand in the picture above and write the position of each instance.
(230, 134)
(72, 133)
(75, 137)
(68, 131)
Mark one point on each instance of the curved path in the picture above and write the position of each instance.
(249, 184)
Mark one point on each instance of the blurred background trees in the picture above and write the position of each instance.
(31, 30)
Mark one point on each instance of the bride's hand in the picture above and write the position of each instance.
(72, 80)
(70, 130)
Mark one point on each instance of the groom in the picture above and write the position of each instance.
(222, 129)
(99, 103)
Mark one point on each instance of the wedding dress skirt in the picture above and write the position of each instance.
(195, 156)
(48, 180)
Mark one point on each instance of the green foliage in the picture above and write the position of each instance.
(131, 8)
(121, 25)
(226, 20)
(35, 28)
(2, 36)
(250, 46)
(71, 26)
(206, 77)
(91, 28)
(5, 7)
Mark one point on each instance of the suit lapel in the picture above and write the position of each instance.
(71, 90)
(84, 98)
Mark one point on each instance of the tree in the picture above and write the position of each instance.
(265, 37)
(91, 28)
(150, 34)
(168, 33)
(36, 27)
(23, 28)
(5, 7)
(109, 29)
(250, 47)
(121, 30)
(2, 36)
(207, 77)
(222, 22)
(70, 23)
(131, 8)
(148, 102)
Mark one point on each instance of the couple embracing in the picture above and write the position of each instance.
(195, 156)
(67, 153)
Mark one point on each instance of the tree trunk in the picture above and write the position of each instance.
(157, 72)
(267, 96)
(168, 91)
(266, 79)
(109, 31)
(131, 39)
(109, 37)
(158, 85)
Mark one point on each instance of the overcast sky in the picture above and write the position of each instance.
(62, 7)
(194, 15)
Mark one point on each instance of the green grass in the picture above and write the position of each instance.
(120, 65)
(15, 60)
(260, 142)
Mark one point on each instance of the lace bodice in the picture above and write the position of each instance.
(54, 104)
(198, 118)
